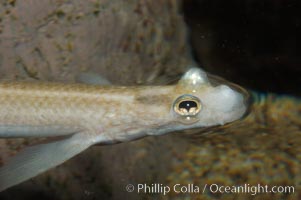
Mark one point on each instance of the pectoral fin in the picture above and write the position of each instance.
(37, 159)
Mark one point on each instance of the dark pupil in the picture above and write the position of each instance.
(187, 105)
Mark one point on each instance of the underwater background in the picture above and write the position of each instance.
(250, 43)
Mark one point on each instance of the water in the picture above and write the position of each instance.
(250, 43)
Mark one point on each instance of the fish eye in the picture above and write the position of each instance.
(187, 105)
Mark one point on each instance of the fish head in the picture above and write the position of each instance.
(203, 100)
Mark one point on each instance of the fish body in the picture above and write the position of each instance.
(94, 114)
(52, 109)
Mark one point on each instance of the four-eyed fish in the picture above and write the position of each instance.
(85, 115)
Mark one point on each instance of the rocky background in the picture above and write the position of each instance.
(128, 42)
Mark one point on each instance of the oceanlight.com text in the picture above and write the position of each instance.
(159, 188)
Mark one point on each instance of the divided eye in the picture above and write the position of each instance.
(187, 105)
